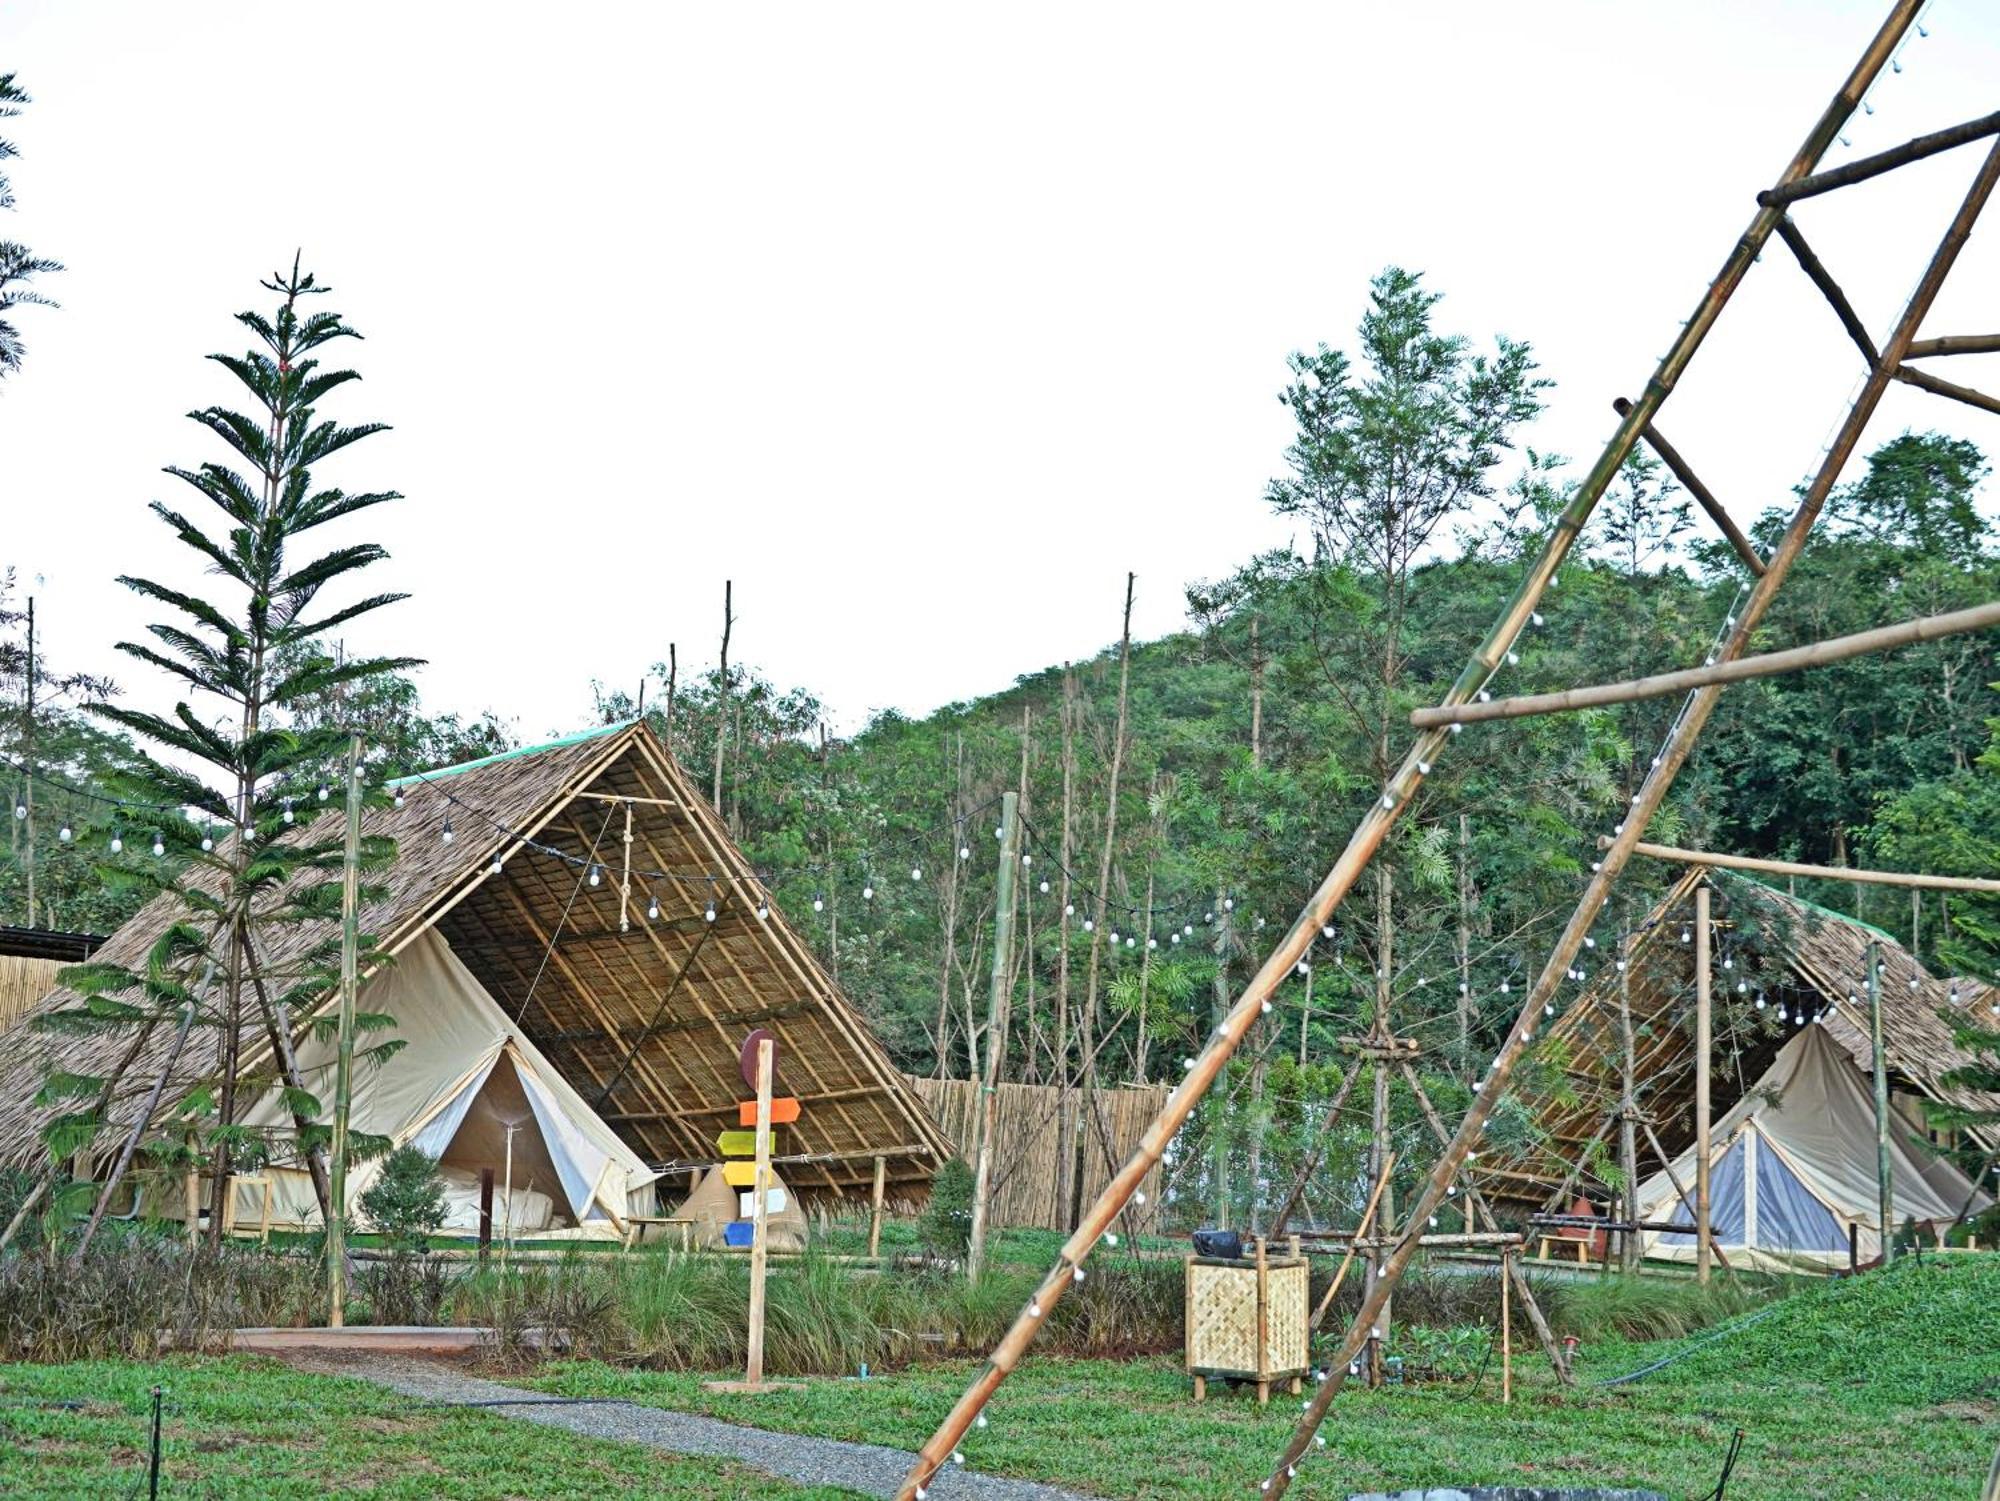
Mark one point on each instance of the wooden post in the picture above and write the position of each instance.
(487, 1211)
(1848, 873)
(753, 1374)
(988, 1117)
(1883, 1183)
(1263, 1325)
(1628, 1132)
(1506, 1327)
(875, 1207)
(1703, 1041)
(343, 1072)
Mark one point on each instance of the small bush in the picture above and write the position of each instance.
(406, 1202)
(946, 1223)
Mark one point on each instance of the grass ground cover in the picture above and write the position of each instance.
(238, 1427)
(1885, 1387)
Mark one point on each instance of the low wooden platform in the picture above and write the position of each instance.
(374, 1339)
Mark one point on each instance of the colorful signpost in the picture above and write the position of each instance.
(747, 1166)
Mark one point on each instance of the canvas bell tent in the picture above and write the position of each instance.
(470, 1089)
(1793, 1170)
(570, 946)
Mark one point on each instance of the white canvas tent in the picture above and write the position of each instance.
(465, 1074)
(1793, 1166)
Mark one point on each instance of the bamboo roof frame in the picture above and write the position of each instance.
(645, 1021)
(1819, 963)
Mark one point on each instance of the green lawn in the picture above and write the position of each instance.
(242, 1427)
(1866, 1391)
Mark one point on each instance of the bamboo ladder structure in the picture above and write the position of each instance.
(1796, 182)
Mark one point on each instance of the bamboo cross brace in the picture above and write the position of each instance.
(1680, 744)
(1691, 482)
(1924, 381)
(1954, 344)
(1815, 872)
(1882, 161)
(1360, 1232)
(1770, 664)
(1376, 824)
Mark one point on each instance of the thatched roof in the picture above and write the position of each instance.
(644, 1016)
(1809, 964)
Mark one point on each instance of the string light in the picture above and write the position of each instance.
(494, 865)
(868, 892)
(322, 792)
(287, 815)
(66, 833)
(447, 835)
(595, 875)
(708, 913)
(763, 909)
(159, 846)
(208, 839)
(399, 797)
(819, 902)
(653, 909)
(117, 844)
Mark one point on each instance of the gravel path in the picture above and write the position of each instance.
(869, 1469)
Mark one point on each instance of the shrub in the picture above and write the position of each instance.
(406, 1203)
(946, 1223)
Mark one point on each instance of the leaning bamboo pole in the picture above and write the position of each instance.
(1680, 744)
(1770, 664)
(1815, 872)
(1692, 483)
(1375, 825)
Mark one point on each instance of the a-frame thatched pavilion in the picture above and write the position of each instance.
(1808, 965)
(638, 994)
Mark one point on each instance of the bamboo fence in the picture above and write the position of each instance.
(1030, 1124)
(24, 981)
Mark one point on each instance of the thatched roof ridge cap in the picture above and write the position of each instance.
(436, 773)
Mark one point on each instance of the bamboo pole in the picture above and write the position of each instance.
(1704, 1042)
(1360, 1233)
(996, 1028)
(1884, 1181)
(1680, 1189)
(1376, 824)
(1506, 1329)
(1954, 344)
(1883, 161)
(343, 1075)
(1681, 741)
(1924, 381)
(1816, 872)
(1628, 1105)
(875, 1207)
(1691, 482)
(1829, 289)
(1770, 664)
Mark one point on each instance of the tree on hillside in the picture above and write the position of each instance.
(255, 865)
(18, 264)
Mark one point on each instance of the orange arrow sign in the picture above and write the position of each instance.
(784, 1110)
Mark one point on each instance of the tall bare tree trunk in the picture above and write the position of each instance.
(1066, 1144)
(1220, 991)
(1464, 942)
(1030, 878)
(1089, 1026)
(1256, 696)
(951, 913)
(722, 692)
(1145, 982)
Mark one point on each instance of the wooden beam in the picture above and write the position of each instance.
(1691, 482)
(1881, 161)
(1741, 669)
(1954, 344)
(1829, 289)
(1926, 382)
(1816, 872)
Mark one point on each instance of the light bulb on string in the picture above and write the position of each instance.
(322, 793)
(494, 865)
(1686, 936)
(1027, 859)
(159, 846)
(1760, 1000)
(708, 912)
(965, 852)
(399, 797)
(819, 902)
(207, 839)
(1505, 988)
(20, 808)
(1174, 937)
(1208, 917)
(1088, 925)
(1152, 942)
(446, 834)
(287, 814)
(66, 833)
(763, 909)
(1188, 928)
(1043, 887)
(1069, 909)
(916, 873)
(117, 844)
(595, 875)
(1229, 904)
(1131, 942)
(868, 892)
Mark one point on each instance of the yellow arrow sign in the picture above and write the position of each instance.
(737, 1143)
(739, 1174)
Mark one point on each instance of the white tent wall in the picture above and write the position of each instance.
(1803, 1136)
(464, 1073)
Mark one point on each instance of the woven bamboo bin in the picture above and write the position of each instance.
(1247, 1319)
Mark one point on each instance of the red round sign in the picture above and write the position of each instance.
(746, 1060)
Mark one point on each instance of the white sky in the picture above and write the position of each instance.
(921, 323)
